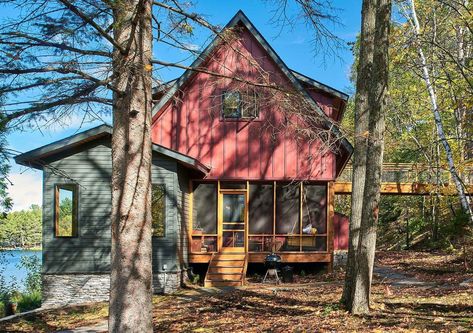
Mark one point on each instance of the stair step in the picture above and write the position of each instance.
(226, 264)
(230, 256)
(225, 270)
(223, 276)
(223, 283)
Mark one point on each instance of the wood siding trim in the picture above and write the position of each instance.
(330, 220)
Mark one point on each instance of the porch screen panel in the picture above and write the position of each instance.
(314, 208)
(261, 209)
(287, 209)
(205, 208)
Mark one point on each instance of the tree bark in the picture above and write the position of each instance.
(464, 201)
(363, 79)
(360, 300)
(131, 270)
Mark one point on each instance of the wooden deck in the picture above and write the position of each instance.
(289, 257)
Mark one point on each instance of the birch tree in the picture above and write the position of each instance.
(464, 199)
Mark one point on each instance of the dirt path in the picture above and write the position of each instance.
(396, 278)
(97, 328)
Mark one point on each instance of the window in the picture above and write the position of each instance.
(158, 210)
(231, 104)
(65, 210)
(239, 106)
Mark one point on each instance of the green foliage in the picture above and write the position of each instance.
(411, 135)
(29, 301)
(32, 264)
(21, 228)
(65, 217)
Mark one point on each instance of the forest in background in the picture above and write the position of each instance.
(21, 229)
(434, 221)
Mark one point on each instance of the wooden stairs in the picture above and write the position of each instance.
(226, 269)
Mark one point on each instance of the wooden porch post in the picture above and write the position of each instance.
(330, 218)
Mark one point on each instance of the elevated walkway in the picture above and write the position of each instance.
(411, 179)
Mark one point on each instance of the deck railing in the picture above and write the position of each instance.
(415, 173)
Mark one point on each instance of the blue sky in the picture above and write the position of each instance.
(292, 44)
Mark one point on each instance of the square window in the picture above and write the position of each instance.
(231, 105)
(66, 210)
(158, 210)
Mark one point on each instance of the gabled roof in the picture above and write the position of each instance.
(240, 17)
(301, 77)
(35, 158)
(320, 85)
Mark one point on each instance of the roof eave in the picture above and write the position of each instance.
(34, 158)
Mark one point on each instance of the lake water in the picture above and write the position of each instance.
(10, 265)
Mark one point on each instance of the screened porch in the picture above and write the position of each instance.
(290, 218)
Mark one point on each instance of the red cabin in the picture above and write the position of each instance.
(261, 133)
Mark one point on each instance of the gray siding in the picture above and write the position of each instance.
(90, 166)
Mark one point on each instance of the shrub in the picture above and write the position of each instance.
(29, 301)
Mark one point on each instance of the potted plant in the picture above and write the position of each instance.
(10, 300)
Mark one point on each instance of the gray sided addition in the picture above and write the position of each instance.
(76, 269)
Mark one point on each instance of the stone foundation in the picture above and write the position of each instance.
(340, 258)
(65, 289)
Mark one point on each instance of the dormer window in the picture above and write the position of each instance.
(236, 105)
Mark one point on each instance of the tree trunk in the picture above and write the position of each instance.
(131, 271)
(364, 263)
(364, 72)
(464, 201)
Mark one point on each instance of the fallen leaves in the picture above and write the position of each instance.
(310, 305)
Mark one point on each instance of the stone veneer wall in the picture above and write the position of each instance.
(64, 289)
(67, 289)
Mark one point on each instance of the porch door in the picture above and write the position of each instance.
(233, 221)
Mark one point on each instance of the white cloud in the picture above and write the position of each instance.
(26, 189)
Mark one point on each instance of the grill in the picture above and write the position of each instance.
(272, 263)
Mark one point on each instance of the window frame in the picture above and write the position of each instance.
(224, 95)
(74, 188)
(163, 186)
(243, 104)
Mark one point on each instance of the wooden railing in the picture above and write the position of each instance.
(407, 178)
(415, 173)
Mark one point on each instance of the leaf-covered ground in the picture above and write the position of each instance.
(310, 305)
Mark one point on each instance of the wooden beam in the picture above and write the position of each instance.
(292, 257)
(253, 257)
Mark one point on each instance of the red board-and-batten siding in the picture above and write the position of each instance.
(247, 150)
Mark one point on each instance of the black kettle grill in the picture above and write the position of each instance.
(272, 261)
